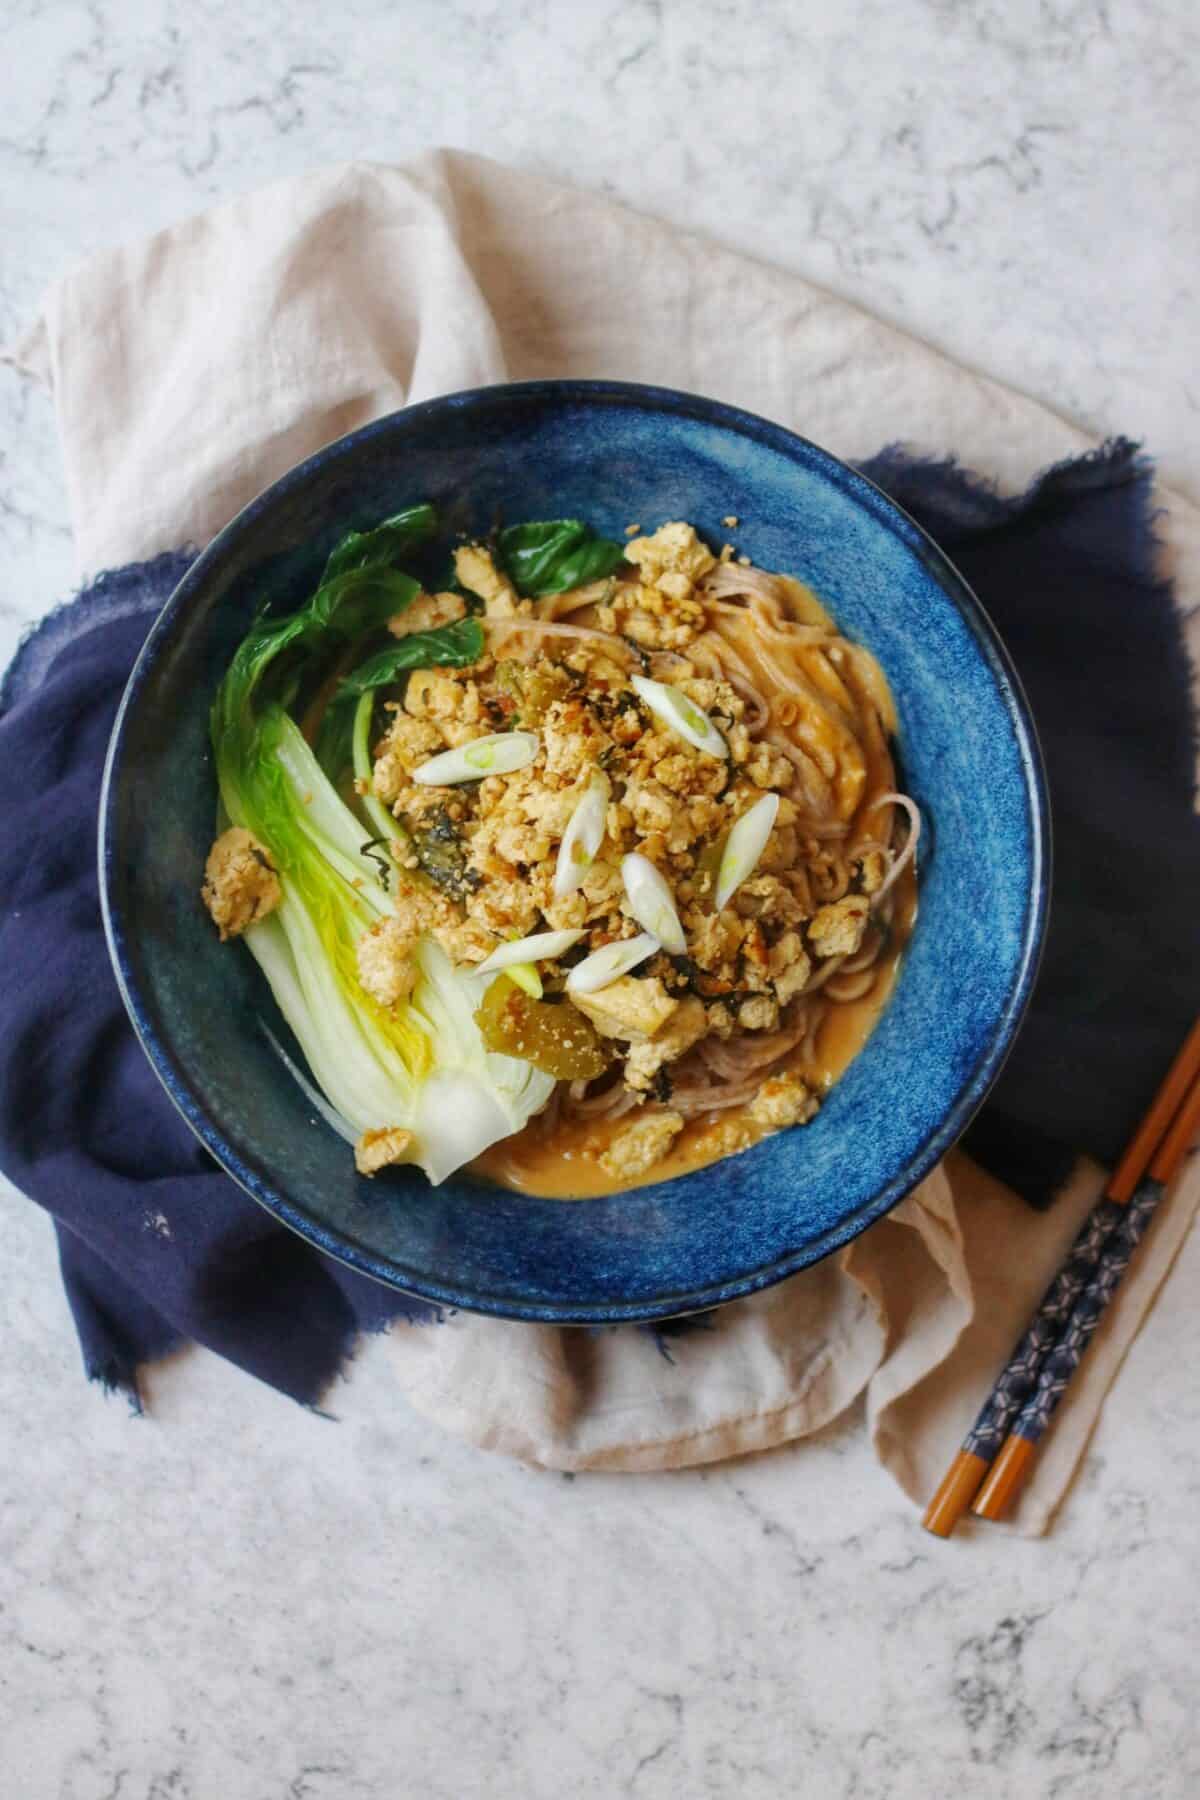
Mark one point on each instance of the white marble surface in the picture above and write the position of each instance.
(232, 1599)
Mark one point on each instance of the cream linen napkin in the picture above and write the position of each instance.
(191, 370)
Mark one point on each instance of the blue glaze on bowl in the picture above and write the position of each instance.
(610, 453)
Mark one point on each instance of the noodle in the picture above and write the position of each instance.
(735, 1062)
(829, 873)
(556, 628)
(791, 633)
(689, 1102)
(739, 578)
(825, 973)
(611, 1102)
(760, 709)
(813, 698)
(612, 1105)
(866, 957)
(574, 599)
(850, 987)
(898, 867)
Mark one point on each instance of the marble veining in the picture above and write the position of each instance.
(232, 1597)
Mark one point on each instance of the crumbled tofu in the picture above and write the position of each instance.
(652, 806)
(517, 844)
(637, 1147)
(407, 744)
(673, 548)
(766, 897)
(661, 610)
(782, 850)
(449, 700)
(421, 907)
(376, 1150)
(729, 951)
(783, 1100)
(468, 943)
(386, 967)
(676, 767)
(837, 929)
(630, 1008)
(730, 520)
(790, 967)
(872, 870)
(475, 569)
(685, 1028)
(506, 904)
(729, 1135)
(241, 885)
(760, 1013)
(574, 741)
(663, 617)
(603, 884)
(427, 612)
(767, 767)
(720, 1019)
(675, 585)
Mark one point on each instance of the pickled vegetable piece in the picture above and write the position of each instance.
(554, 1037)
(443, 855)
(534, 687)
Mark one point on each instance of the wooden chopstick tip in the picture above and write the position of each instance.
(955, 1492)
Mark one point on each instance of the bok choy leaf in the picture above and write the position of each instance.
(452, 646)
(384, 544)
(548, 556)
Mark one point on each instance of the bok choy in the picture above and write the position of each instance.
(421, 1065)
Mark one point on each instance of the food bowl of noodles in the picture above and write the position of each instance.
(575, 851)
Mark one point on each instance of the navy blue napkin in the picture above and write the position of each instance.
(157, 1246)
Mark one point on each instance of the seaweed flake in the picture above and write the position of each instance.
(443, 856)
(374, 849)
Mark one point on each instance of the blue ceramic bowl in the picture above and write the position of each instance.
(609, 453)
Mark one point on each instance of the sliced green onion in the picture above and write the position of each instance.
(583, 837)
(543, 946)
(651, 902)
(503, 753)
(608, 964)
(743, 847)
(672, 706)
(527, 977)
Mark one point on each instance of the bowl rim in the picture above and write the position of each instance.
(976, 1084)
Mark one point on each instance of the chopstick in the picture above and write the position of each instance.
(1008, 1472)
(995, 1425)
